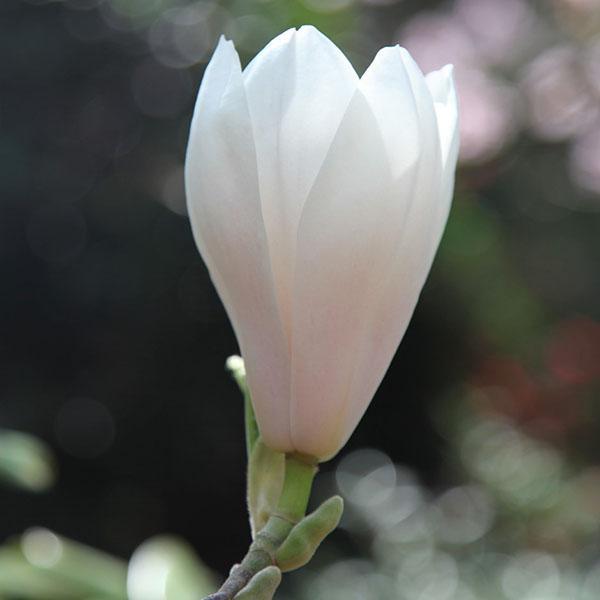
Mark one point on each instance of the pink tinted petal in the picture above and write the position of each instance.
(341, 255)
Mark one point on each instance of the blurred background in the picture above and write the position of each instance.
(475, 473)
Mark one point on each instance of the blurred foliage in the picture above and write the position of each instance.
(520, 526)
(44, 565)
(112, 339)
(25, 461)
(167, 568)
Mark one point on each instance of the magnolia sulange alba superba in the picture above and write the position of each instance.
(317, 200)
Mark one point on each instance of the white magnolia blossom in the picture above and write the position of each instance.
(317, 200)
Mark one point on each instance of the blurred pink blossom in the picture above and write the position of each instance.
(499, 29)
(487, 119)
(435, 39)
(584, 160)
(486, 106)
(558, 94)
(591, 60)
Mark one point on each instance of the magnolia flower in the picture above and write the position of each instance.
(317, 200)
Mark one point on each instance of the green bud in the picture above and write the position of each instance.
(235, 365)
(262, 586)
(266, 471)
(304, 539)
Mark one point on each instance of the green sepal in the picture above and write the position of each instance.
(262, 586)
(304, 539)
(266, 472)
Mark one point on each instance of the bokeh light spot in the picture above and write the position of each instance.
(41, 547)
(366, 477)
(560, 104)
(462, 515)
(183, 36)
(531, 575)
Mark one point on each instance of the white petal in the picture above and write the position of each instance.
(225, 211)
(387, 87)
(418, 238)
(417, 243)
(345, 243)
(298, 89)
(441, 86)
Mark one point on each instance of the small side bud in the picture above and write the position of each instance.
(262, 586)
(235, 365)
(304, 539)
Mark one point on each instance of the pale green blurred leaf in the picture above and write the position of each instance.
(19, 580)
(90, 571)
(25, 461)
(166, 568)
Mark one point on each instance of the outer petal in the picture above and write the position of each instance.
(443, 92)
(413, 253)
(225, 211)
(342, 255)
(298, 90)
(441, 85)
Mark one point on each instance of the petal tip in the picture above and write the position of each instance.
(407, 57)
(441, 84)
(311, 31)
(284, 37)
(225, 48)
(309, 27)
(311, 36)
(397, 49)
(224, 42)
(402, 53)
(447, 73)
(387, 55)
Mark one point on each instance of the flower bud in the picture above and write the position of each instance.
(317, 200)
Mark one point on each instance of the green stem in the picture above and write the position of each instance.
(291, 508)
(299, 474)
(251, 424)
